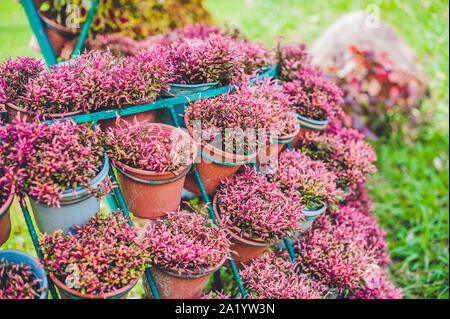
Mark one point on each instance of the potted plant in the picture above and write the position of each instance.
(186, 248)
(6, 199)
(292, 59)
(280, 124)
(117, 83)
(152, 160)
(21, 276)
(61, 167)
(307, 181)
(255, 57)
(226, 127)
(15, 75)
(272, 277)
(201, 64)
(349, 158)
(316, 101)
(55, 15)
(255, 213)
(103, 259)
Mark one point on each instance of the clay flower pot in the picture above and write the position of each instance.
(308, 125)
(19, 257)
(150, 194)
(274, 148)
(5, 220)
(76, 209)
(172, 284)
(68, 293)
(13, 111)
(214, 166)
(243, 247)
(58, 35)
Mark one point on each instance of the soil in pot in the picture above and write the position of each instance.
(149, 194)
(213, 166)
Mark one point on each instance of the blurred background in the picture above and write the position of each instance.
(411, 187)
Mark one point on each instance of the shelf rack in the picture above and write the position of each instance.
(115, 200)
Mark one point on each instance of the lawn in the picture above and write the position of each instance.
(411, 188)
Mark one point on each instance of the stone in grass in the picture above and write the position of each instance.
(360, 29)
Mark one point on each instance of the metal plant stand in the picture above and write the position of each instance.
(115, 200)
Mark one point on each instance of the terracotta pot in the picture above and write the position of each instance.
(243, 247)
(68, 293)
(224, 165)
(308, 125)
(173, 285)
(13, 111)
(57, 34)
(5, 220)
(150, 200)
(273, 148)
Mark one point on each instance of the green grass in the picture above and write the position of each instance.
(411, 188)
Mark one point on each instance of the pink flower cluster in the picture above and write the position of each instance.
(186, 242)
(47, 159)
(351, 160)
(18, 282)
(258, 207)
(149, 147)
(272, 277)
(103, 256)
(306, 180)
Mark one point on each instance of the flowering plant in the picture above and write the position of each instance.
(373, 86)
(255, 55)
(257, 207)
(186, 242)
(47, 159)
(293, 60)
(315, 97)
(351, 160)
(18, 282)
(197, 61)
(148, 147)
(101, 257)
(15, 75)
(272, 277)
(306, 180)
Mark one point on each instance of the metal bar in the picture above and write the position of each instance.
(86, 26)
(34, 238)
(39, 31)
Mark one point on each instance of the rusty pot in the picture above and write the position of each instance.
(172, 284)
(214, 166)
(5, 220)
(68, 293)
(150, 194)
(244, 248)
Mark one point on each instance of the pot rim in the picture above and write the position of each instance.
(316, 212)
(36, 268)
(290, 136)
(169, 174)
(53, 116)
(108, 295)
(186, 275)
(179, 85)
(307, 120)
(5, 207)
(235, 158)
(254, 242)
